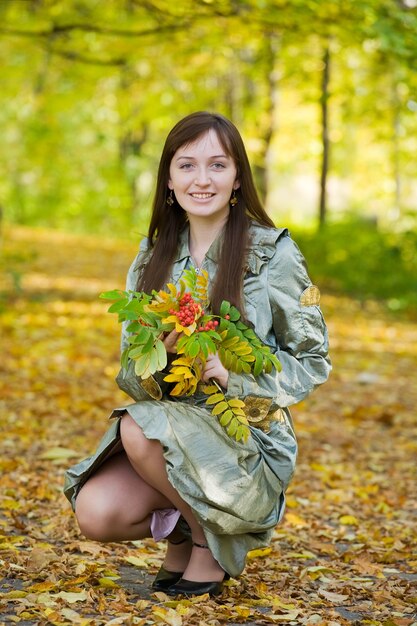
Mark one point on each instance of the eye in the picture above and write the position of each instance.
(219, 166)
(186, 166)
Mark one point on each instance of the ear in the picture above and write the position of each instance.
(170, 185)
(236, 184)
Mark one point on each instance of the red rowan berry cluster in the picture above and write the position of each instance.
(189, 310)
(211, 325)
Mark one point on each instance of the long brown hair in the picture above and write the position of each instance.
(167, 221)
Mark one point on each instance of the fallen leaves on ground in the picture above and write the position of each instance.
(346, 549)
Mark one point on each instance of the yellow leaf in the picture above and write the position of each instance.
(337, 598)
(217, 397)
(6, 504)
(301, 555)
(47, 585)
(107, 582)
(294, 520)
(134, 560)
(277, 603)
(167, 616)
(348, 520)
(142, 604)
(210, 389)
(171, 319)
(73, 616)
(172, 378)
(316, 571)
(219, 408)
(71, 597)
(172, 289)
(287, 617)
(14, 594)
(183, 361)
(292, 503)
(179, 389)
(254, 554)
(236, 403)
(47, 600)
(59, 453)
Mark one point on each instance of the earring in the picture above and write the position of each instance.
(170, 199)
(233, 199)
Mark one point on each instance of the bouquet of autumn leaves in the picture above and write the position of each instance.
(185, 308)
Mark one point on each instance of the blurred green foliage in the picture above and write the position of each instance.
(90, 89)
(356, 258)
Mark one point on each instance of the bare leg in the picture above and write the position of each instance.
(147, 459)
(115, 504)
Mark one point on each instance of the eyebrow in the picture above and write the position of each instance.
(216, 156)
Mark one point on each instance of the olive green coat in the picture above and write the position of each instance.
(235, 489)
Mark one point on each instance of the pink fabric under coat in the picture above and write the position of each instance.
(163, 522)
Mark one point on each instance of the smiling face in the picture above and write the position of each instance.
(203, 177)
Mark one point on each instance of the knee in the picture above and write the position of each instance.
(97, 518)
(136, 445)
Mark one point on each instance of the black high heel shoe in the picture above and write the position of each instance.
(164, 578)
(194, 588)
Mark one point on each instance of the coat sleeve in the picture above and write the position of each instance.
(299, 329)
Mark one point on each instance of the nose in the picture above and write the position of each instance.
(202, 179)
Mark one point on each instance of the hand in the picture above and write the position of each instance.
(214, 368)
(170, 342)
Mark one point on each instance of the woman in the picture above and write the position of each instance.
(166, 468)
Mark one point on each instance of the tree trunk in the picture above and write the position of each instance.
(324, 136)
(267, 131)
(396, 123)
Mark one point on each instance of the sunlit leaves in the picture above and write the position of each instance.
(185, 373)
(229, 412)
(201, 334)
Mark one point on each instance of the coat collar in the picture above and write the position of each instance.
(262, 246)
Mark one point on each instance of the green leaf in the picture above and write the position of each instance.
(148, 345)
(211, 346)
(136, 352)
(161, 354)
(141, 364)
(127, 315)
(259, 364)
(153, 362)
(243, 433)
(117, 306)
(224, 308)
(135, 305)
(230, 342)
(226, 417)
(195, 349)
(232, 428)
(234, 314)
(114, 294)
(143, 335)
(124, 360)
(134, 327)
(246, 368)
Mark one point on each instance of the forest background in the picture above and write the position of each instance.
(325, 95)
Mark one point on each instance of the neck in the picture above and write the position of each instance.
(202, 234)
